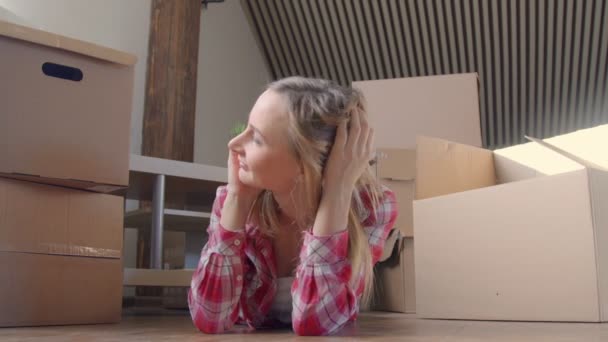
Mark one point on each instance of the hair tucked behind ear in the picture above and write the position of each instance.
(316, 107)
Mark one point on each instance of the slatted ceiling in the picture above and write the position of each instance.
(305, 46)
(588, 51)
(390, 39)
(347, 40)
(602, 73)
(542, 63)
(290, 59)
(364, 39)
(399, 40)
(336, 51)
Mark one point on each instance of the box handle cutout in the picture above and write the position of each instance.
(62, 71)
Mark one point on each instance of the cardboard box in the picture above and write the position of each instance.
(174, 249)
(445, 106)
(43, 289)
(395, 283)
(533, 248)
(60, 255)
(174, 257)
(44, 219)
(66, 110)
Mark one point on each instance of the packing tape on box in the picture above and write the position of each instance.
(63, 249)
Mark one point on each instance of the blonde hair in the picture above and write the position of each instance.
(316, 107)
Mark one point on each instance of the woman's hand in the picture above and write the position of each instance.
(350, 154)
(349, 157)
(235, 186)
(239, 199)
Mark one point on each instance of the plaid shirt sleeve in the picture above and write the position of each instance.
(323, 298)
(217, 282)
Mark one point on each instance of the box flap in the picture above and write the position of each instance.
(569, 155)
(588, 144)
(32, 35)
(559, 154)
(396, 163)
(532, 160)
(444, 167)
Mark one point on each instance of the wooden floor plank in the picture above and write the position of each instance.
(371, 326)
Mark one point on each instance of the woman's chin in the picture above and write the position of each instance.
(249, 180)
(245, 177)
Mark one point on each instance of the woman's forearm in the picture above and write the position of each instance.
(235, 212)
(332, 215)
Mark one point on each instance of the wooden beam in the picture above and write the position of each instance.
(170, 104)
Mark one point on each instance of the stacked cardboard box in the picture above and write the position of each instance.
(400, 110)
(515, 234)
(174, 255)
(64, 142)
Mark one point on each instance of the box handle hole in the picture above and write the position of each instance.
(62, 71)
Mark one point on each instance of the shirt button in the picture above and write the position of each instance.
(239, 278)
(237, 242)
(264, 251)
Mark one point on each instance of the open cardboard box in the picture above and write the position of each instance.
(400, 109)
(60, 255)
(515, 234)
(66, 110)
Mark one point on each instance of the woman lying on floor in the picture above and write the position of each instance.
(294, 235)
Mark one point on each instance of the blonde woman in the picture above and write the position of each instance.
(294, 235)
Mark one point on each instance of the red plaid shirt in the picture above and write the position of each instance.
(235, 281)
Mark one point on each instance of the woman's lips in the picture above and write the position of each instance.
(243, 166)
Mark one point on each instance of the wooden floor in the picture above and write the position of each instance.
(370, 327)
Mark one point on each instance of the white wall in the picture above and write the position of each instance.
(9, 16)
(231, 75)
(119, 24)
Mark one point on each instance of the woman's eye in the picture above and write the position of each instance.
(256, 139)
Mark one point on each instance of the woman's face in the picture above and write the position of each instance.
(266, 162)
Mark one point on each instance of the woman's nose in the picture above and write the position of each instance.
(235, 143)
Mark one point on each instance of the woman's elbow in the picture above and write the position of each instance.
(309, 326)
(206, 323)
(306, 330)
(209, 326)
(207, 329)
(309, 323)
(210, 330)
